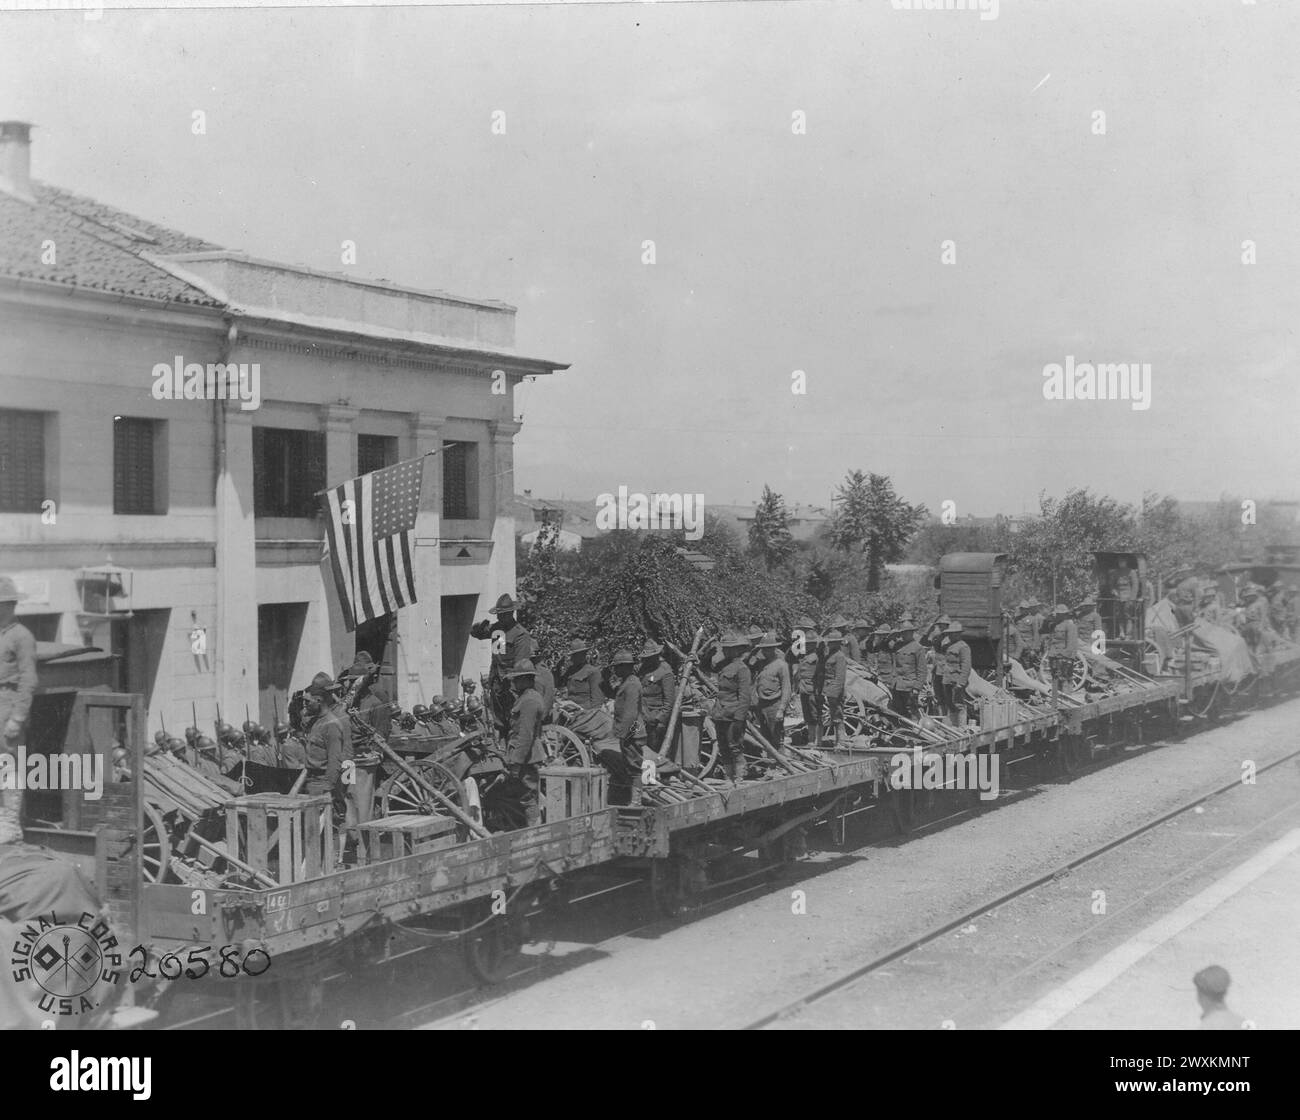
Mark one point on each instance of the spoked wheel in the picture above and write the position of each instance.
(491, 949)
(564, 747)
(401, 795)
(854, 717)
(708, 748)
(155, 847)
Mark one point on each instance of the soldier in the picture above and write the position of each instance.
(772, 690)
(834, 672)
(1029, 628)
(627, 724)
(291, 750)
(1088, 620)
(203, 759)
(956, 674)
(17, 686)
(929, 640)
(1126, 587)
(879, 636)
(259, 745)
(731, 709)
(885, 660)
(808, 678)
(516, 645)
(328, 741)
(856, 641)
(580, 679)
(524, 752)
(1254, 616)
(658, 692)
(909, 665)
(440, 721)
(939, 668)
(1062, 645)
(367, 697)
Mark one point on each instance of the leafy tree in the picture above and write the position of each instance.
(872, 519)
(769, 533)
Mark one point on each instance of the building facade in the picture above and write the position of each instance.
(209, 506)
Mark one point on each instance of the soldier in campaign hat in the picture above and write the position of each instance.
(579, 679)
(731, 708)
(909, 668)
(511, 643)
(17, 687)
(1087, 620)
(834, 678)
(772, 689)
(524, 750)
(658, 693)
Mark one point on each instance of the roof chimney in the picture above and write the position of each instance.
(16, 158)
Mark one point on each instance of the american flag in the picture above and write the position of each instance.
(371, 522)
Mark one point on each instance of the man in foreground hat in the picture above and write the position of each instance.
(366, 696)
(909, 669)
(658, 692)
(956, 674)
(1088, 621)
(1030, 642)
(731, 708)
(1212, 993)
(579, 679)
(511, 643)
(772, 689)
(627, 724)
(834, 676)
(809, 676)
(524, 752)
(1062, 646)
(17, 686)
(328, 741)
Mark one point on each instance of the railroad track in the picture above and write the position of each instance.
(942, 929)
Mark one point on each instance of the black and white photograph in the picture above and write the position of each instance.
(707, 515)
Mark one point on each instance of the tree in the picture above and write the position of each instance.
(769, 533)
(871, 519)
(1053, 552)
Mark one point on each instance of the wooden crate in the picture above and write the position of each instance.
(409, 835)
(996, 712)
(571, 791)
(288, 836)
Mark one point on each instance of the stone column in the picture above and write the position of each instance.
(501, 576)
(232, 641)
(419, 628)
(333, 644)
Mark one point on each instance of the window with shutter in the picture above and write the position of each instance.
(22, 461)
(288, 470)
(134, 465)
(375, 452)
(457, 501)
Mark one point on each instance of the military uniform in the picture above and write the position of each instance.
(583, 687)
(772, 691)
(909, 669)
(809, 675)
(731, 710)
(835, 672)
(658, 692)
(17, 679)
(517, 646)
(1088, 623)
(956, 675)
(328, 743)
(524, 752)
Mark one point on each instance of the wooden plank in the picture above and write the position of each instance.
(284, 842)
(258, 853)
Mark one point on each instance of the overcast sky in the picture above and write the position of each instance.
(775, 251)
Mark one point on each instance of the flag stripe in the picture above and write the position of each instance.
(370, 550)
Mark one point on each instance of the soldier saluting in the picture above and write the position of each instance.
(17, 686)
(516, 645)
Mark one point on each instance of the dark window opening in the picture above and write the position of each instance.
(288, 471)
(22, 461)
(374, 453)
(137, 486)
(459, 481)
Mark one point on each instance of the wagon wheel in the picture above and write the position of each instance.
(490, 950)
(1078, 675)
(708, 748)
(155, 846)
(854, 717)
(401, 796)
(564, 747)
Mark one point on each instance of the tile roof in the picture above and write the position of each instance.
(96, 246)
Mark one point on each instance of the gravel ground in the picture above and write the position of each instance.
(727, 968)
